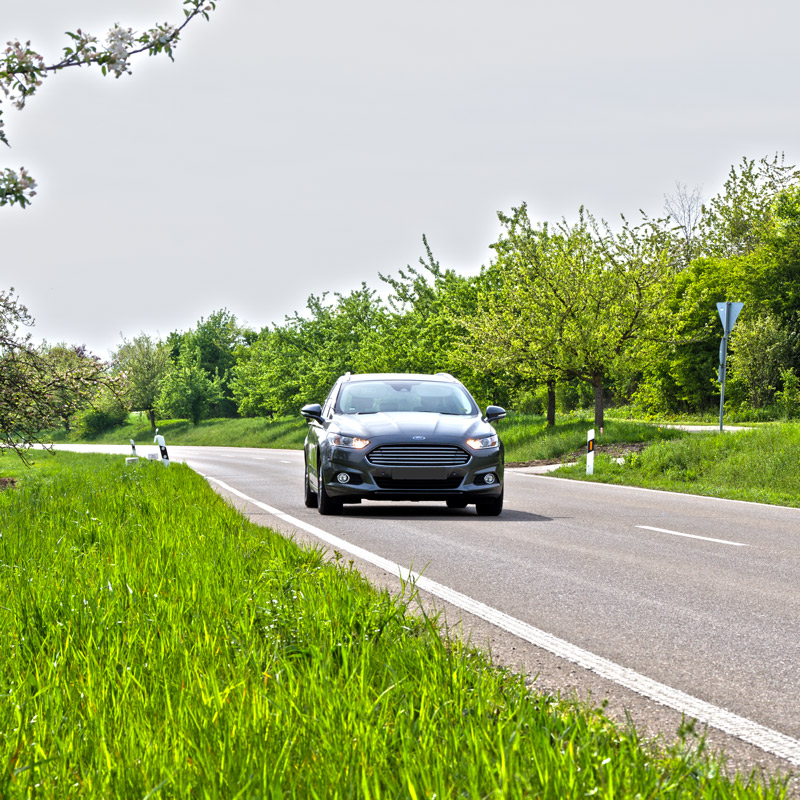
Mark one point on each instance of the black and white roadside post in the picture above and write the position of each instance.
(132, 458)
(159, 440)
(590, 452)
(728, 313)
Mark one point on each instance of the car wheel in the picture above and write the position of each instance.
(325, 503)
(456, 502)
(310, 496)
(491, 507)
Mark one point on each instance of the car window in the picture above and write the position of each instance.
(372, 397)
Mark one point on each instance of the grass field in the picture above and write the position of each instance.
(156, 644)
(761, 465)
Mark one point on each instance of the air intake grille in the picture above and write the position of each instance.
(418, 455)
(418, 486)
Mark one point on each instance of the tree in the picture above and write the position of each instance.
(186, 390)
(685, 208)
(143, 362)
(36, 392)
(22, 71)
(580, 298)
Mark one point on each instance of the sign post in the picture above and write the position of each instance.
(728, 313)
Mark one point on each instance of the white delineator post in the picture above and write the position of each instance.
(590, 452)
(159, 440)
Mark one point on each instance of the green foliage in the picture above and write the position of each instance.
(760, 349)
(94, 421)
(40, 389)
(217, 340)
(788, 398)
(157, 643)
(737, 220)
(187, 390)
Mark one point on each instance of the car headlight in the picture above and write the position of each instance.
(484, 443)
(353, 442)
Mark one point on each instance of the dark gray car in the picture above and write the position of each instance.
(402, 437)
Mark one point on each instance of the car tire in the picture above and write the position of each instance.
(492, 507)
(325, 503)
(310, 496)
(456, 502)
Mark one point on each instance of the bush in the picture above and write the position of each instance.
(95, 421)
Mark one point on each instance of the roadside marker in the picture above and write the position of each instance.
(159, 440)
(132, 458)
(590, 452)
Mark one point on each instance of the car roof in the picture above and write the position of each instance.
(439, 377)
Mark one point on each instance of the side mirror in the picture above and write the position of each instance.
(312, 411)
(494, 412)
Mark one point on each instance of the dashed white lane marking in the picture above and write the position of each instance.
(692, 536)
(766, 738)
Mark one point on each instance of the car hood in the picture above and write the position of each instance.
(406, 425)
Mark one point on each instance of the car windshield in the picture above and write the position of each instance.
(372, 397)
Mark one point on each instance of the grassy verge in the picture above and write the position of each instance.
(286, 432)
(158, 644)
(527, 437)
(760, 465)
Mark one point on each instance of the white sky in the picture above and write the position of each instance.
(301, 147)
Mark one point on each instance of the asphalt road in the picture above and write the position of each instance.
(698, 594)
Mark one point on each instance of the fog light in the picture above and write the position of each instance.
(343, 477)
(489, 478)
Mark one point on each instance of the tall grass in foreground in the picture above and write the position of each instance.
(158, 644)
(761, 465)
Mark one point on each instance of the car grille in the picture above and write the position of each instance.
(418, 455)
(418, 485)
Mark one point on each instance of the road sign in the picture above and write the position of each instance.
(728, 313)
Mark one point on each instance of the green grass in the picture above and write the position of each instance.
(157, 644)
(760, 465)
(527, 437)
(286, 432)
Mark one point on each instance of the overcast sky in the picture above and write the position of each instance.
(301, 147)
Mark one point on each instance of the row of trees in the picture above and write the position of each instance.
(579, 312)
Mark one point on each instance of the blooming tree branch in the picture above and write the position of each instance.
(22, 71)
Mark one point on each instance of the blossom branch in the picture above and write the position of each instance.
(22, 71)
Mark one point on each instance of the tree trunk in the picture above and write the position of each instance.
(151, 413)
(551, 404)
(597, 385)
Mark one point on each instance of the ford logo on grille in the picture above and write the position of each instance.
(418, 438)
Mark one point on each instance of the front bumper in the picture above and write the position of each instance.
(481, 477)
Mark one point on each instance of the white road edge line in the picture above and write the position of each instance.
(692, 536)
(751, 732)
